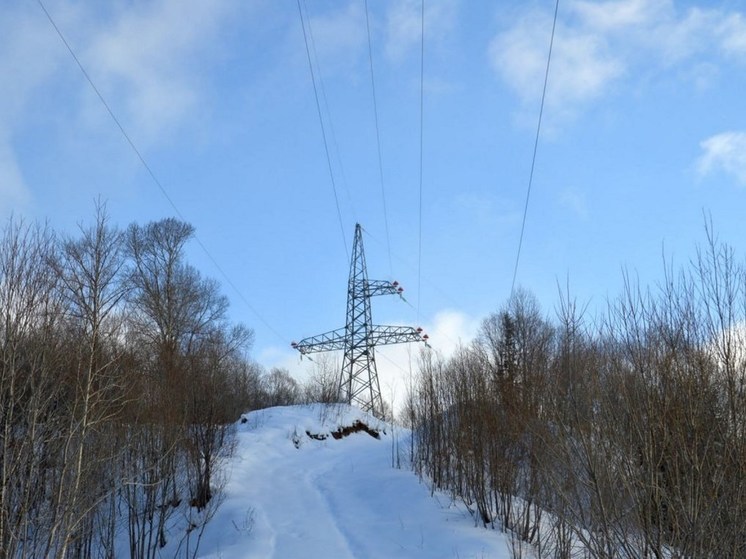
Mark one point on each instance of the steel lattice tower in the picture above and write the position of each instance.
(358, 380)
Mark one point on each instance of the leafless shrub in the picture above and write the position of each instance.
(621, 438)
(120, 378)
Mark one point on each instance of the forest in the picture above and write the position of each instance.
(621, 434)
(614, 434)
(121, 379)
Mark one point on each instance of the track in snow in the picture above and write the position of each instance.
(332, 498)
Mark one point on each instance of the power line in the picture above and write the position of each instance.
(323, 129)
(536, 146)
(422, 317)
(332, 133)
(378, 138)
(111, 113)
(422, 118)
(152, 175)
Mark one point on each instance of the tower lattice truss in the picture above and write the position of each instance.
(358, 380)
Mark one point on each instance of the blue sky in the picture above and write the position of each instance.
(644, 132)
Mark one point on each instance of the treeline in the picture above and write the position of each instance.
(620, 436)
(120, 377)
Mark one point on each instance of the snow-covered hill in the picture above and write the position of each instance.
(290, 495)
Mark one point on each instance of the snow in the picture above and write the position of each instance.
(289, 496)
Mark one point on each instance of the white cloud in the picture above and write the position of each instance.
(448, 330)
(141, 57)
(598, 43)
(147, 58)
(404, 28)
(13, 191)
(339, 37)
(676, 40)
(724, 152)
(29, 55)
(404, 25)
(732, 34)
(583, 68)
(620, 13)
(582, 64)
(574, 200)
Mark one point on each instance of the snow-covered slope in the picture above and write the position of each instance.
(292, 496)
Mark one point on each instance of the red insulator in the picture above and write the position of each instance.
(400, 290)
(425, 337)
(395, 283)
(419, 330)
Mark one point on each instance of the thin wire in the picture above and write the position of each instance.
(323, 130)
(111, 113)
(536, 146)
(378, 139)
(152, 175)
(422, 117)
(392, 362)
(330, 120)
(425, 317)
(413, 268)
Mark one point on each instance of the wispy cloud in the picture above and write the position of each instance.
(448, 330)
(339, 36)
(582, 64)
(143, 57)
(13, 191)
(598, 43)
(404, 25)
(724, 152)
(575, 201)
(731, 32)
(29, 56)
(619, 14)
(147, 59)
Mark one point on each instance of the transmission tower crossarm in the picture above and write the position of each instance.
(382, 287)
(382, 335)
(328, 341)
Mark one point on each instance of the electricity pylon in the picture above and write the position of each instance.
(358, 380)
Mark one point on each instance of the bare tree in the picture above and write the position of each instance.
(281, 388)
(181, 317)
(120, 378)
(323, 383)
(91, 283)
(29, 392)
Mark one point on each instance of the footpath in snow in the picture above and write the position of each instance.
(292, 496)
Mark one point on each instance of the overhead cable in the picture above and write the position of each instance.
(323, 129)
(422, 119)
(536, 146)
(330, 120)
(152, 175)
(378, 138)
